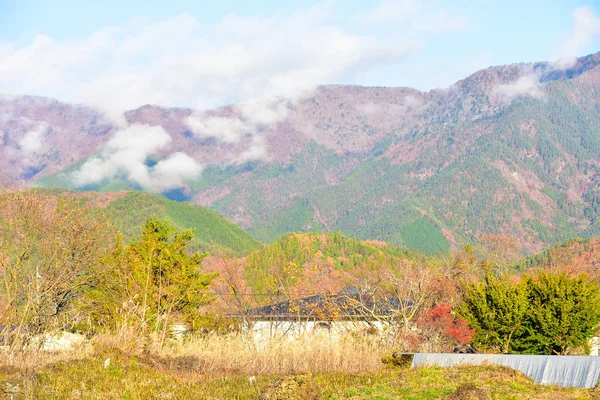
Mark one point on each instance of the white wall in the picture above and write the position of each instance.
(262, 330)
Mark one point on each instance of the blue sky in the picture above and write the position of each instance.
(206, 53)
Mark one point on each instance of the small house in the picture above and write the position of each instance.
(333, 315)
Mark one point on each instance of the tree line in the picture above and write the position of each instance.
(62, 265)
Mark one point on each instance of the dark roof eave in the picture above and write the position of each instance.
(301, 318)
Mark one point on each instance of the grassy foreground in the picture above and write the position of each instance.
(154, 377)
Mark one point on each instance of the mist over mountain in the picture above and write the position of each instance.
(510, 149)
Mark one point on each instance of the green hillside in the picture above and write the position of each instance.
(213, 233)
(129, 211)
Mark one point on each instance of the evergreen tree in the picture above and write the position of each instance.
(547, 313)
(496, 309)
(154, 281)
(564, 313)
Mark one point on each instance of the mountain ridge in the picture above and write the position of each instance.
(509, 149)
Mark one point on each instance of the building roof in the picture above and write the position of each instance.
(348, 304)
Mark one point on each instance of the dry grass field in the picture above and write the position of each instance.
(120, 366)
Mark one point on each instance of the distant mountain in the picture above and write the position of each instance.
(6, 183)
(510, 149)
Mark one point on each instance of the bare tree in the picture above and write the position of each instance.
(398, 294)
(50, 250)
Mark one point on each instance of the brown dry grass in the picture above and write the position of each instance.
(34, 359)
(236, 353)
(219, 354)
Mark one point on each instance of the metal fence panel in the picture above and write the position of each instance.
(566, 371)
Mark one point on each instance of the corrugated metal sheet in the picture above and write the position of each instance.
(566, 371)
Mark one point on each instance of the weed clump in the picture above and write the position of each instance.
(398, 360)
(299, 387)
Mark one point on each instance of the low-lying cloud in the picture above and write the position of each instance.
(376, 109)
(526, 86)
(226, 129)
(33, 141)
(248, 119)
(256, 151)
(126, 154)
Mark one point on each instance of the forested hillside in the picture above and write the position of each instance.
(576, 255)
(129, 211)
(466, 167)
(317, 262)
(510, 149)
(212, 232)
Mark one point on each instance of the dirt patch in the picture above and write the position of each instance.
(468, 391)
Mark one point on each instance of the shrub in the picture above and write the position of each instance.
(564, 313)
(547, 313)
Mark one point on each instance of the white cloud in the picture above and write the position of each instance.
(445, 20)
(586, 26)
(250, 118)
(174, 171)
(392, 11)
(527, 85)
(226, 129)
(412, 102)
(172, 62)
(374, 110)
(256, 151)
(125, 155)
(33, 141)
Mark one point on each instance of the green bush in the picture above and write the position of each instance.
(546, 313)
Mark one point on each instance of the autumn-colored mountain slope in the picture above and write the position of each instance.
(575, 255)
(302, 264)
(511, 149)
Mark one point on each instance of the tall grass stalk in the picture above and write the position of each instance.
(318, 353)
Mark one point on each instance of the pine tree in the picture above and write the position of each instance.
(156, 279)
